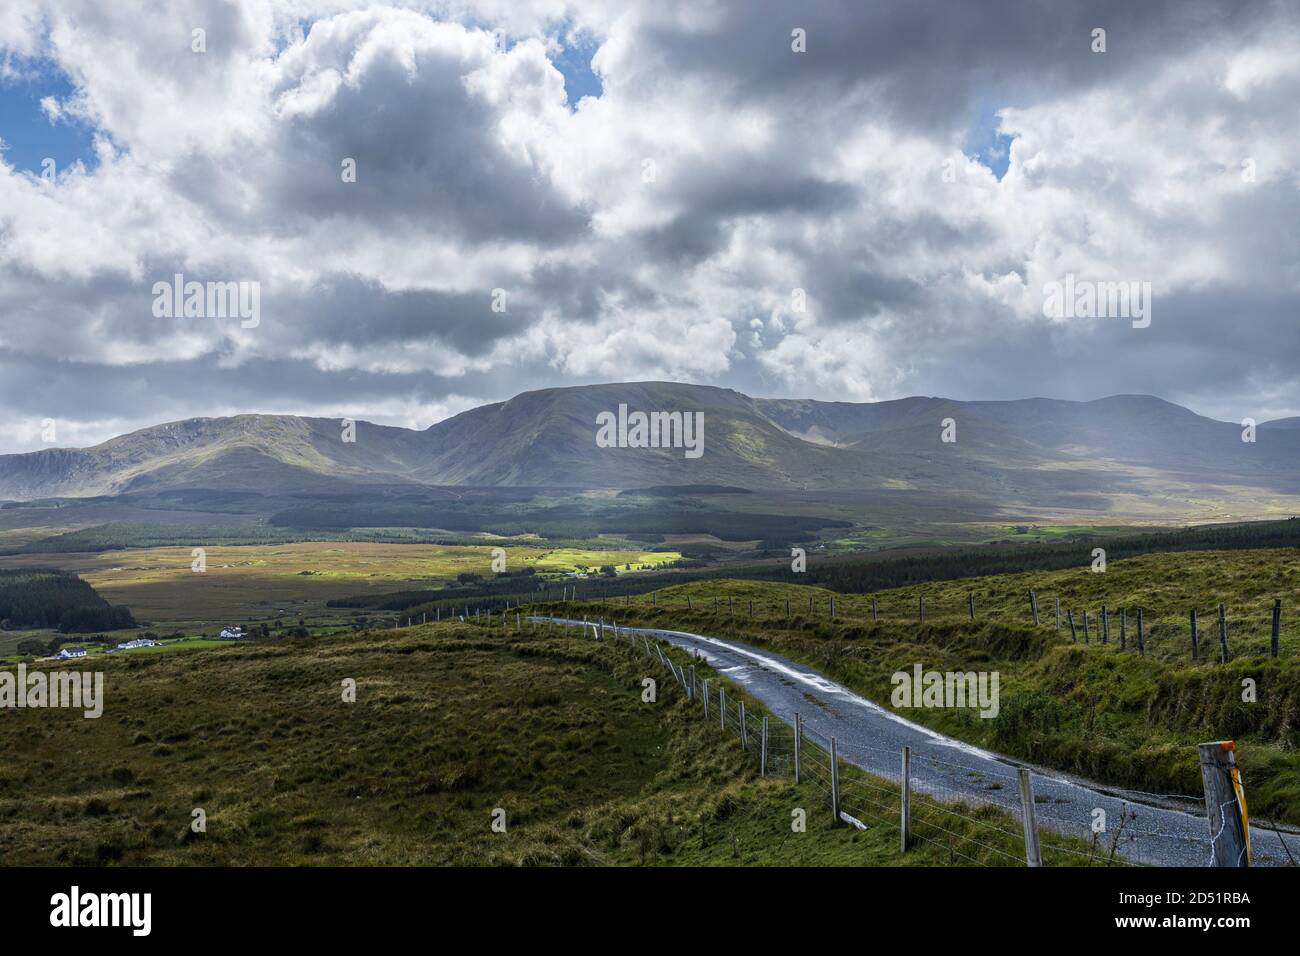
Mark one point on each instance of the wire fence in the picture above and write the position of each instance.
(961, 829)
(1213, 633)
(984, 815)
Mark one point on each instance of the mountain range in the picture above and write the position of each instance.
(1026, 450)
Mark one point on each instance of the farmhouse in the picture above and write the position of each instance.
(232, 632)
(68, 652)
(137, 642)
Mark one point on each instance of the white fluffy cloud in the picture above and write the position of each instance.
(658, 230)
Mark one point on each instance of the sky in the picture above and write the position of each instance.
(843, 201)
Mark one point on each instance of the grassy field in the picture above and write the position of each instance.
(450, 723)
(246, 582)
(1113, 715)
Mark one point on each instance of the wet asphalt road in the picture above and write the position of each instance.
(870, 737)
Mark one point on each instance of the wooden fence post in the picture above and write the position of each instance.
(906, 788)
(1058, 613)
(1074, 638)
(1033, 606)
(1105, 625)
(921, 603)
(1223, 635)
(1033, 854)
(1123, 629)
(835, 781)
(1194, 635)
(688, 603)
(1085, 627)
(690, 691)
(1142, 643)
(744, 735)
(798, 748)
(832, 609)
(1277, 626)
(706, 698)
(722, 707)
(762, 760)
(787, 609)
(1229, 836)
(970, 604)
(873, 611)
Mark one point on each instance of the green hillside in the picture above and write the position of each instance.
(450, 722)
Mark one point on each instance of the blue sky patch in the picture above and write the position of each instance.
(29, 135)
(986, 145)
(574, 64)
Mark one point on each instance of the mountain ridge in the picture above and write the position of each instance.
(546, 438)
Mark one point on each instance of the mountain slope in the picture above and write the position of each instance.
(1016, 452)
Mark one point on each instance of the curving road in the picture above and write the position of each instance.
(1162, 832)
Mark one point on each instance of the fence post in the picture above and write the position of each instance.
(970, 603)
(1058, 613)
(906, 785)
(1074, 638)
(706, 698)
(744, 728)
(751, 607)
(1277, 626)
(762, 760)
(798, 747)
(1142, 643)
(1033, 854)
(832, 609)
(1085, 627)
(922, 607)
(1033, 606)
(873, 610)
(722, 707)
(1229, 836)
(1194, 635)
(1105, 625)
(1123, 629)
(1223, 635)
(835, 781)
(690, 691)
(688, 603)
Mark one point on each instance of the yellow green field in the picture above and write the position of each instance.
(240, 582)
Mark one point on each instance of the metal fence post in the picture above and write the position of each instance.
(1033, 854)
(706, 698)
(1277, 626)
(1223, 635)
(798, 746)
(835, 781)
(722, 707)
(690, 691)
(906, 819)
(744, 728)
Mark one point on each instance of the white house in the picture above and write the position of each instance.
(67, 652)
(138, 642)
(232, 632)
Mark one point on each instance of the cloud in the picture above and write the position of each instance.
(659, 230)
